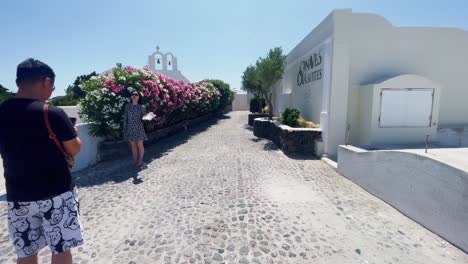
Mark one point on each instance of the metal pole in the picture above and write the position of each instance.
(427, 142)
(348, 128)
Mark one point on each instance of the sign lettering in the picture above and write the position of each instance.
(308, 69)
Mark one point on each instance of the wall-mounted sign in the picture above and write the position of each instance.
(310, 69)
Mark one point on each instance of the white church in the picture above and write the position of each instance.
(164, 63)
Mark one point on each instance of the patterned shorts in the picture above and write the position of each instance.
(54, 222)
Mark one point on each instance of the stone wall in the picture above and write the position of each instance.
(255, 115)
(289, 140)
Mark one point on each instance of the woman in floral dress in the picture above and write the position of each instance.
(133, 130)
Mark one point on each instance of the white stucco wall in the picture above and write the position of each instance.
(366, 130)
(89, 149)
(89, 152)
(241, 102)
(174, 74)
(379, 50)
(366, 48)
(455, 136)
(428, 191)
(72, 111)
(306, 95)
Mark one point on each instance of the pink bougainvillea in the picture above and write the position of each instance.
(170, 100)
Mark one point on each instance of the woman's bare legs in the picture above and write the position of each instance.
(141, 152)
(133, 146)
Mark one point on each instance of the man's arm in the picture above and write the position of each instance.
(73, 146)
(65, 131)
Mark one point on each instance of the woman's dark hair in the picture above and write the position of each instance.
(32, 70)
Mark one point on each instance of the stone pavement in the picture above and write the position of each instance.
(217, 194)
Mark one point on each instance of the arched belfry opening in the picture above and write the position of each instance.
(158, 62)
(165, 63)
(170, 62)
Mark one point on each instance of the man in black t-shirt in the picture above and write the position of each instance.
(42, 199)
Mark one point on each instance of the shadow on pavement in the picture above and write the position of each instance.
(122, 169)
(269, 145)
(296, 156)
(224, 117)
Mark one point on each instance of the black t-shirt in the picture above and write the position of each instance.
(34, 167)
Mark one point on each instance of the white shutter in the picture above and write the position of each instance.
(406, 107)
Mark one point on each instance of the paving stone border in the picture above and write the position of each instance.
(118, 149)
(252, 117)
(290, 140)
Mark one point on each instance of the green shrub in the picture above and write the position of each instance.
(5, 96)
(227, 96)
(254, 107)
(64, 101)
(290, 117)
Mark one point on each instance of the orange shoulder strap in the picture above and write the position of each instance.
(51, 132)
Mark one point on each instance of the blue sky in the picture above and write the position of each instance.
(211, 38)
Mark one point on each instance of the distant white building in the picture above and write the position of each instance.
(164, 63)
(369, 83)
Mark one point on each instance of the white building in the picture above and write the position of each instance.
(386, 84)
(165, 63)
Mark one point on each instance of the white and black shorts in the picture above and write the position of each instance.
(54, 222)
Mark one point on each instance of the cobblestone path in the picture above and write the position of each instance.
(219, 195)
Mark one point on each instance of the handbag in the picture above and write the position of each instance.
(68, 157)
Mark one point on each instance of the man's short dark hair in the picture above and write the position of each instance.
(32, 70)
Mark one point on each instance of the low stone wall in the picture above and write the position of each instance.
(119, 149)
(289, 140)
(252, 117)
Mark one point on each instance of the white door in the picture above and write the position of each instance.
(406, 107)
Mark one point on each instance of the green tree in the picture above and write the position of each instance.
(5, 94)
(63, 101)
(251, 83)
(270, 70)
(74, 90)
